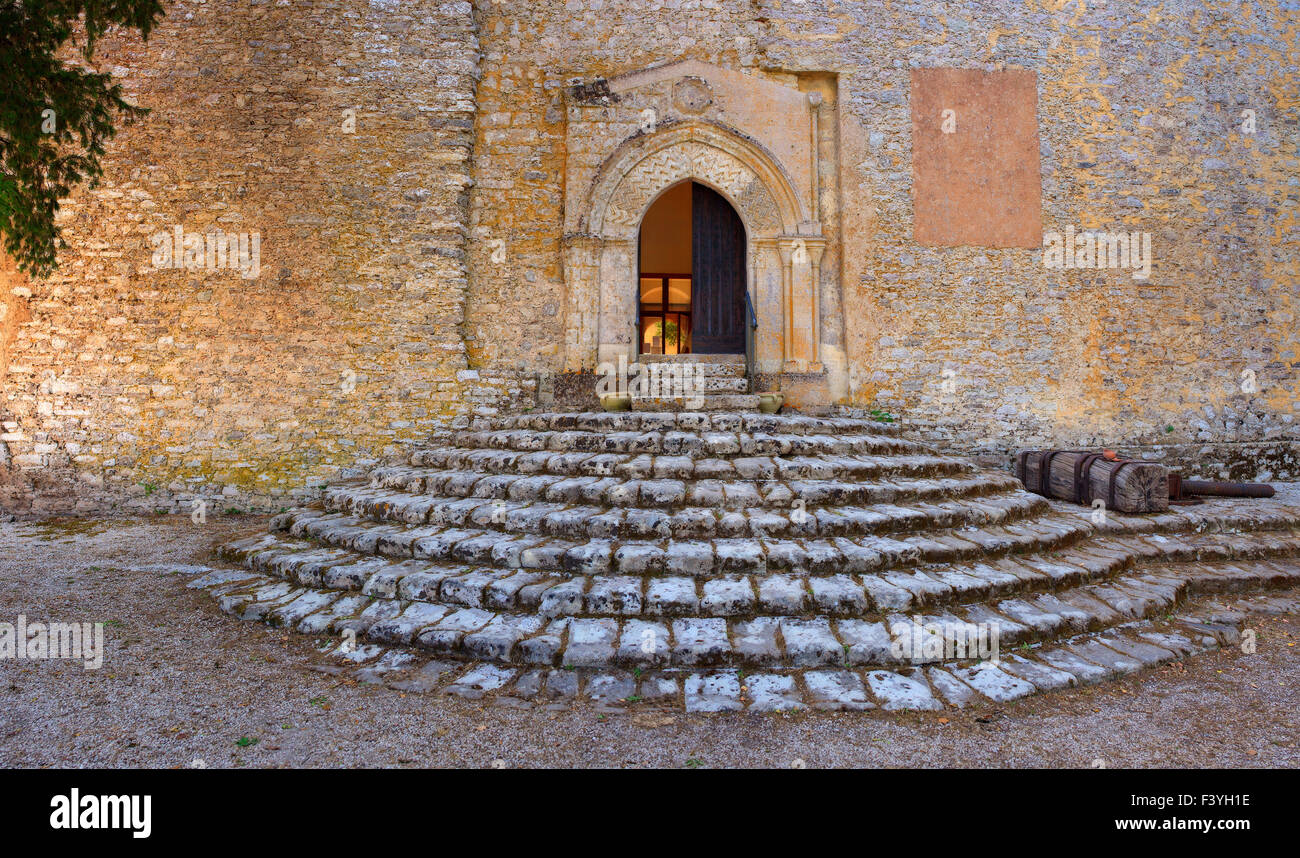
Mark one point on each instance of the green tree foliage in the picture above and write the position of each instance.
(55, 117)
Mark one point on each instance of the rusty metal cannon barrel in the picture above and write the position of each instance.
(1214, 488)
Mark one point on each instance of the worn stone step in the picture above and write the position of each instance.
(1190, 546)
(654, 442)
(601, 421)
(391, 492)
(1025, 586)
(636, 466)
(707, 371)
(732, 359)
(1214, 515)
(554, 638)
(696, 557)
(989, 494)
(655, 509)
(830, 687)
(728, 402)
(655, 375)
(781, 589)
(779, 557)
(469, 632)
(683, 379)
(722, 384)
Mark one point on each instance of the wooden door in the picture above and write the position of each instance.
(717, 274)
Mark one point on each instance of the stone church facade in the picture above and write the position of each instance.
(450, 197)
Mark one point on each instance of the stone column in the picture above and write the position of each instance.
(814, 114)
(618, 301)
(786, 249)
(815, 251)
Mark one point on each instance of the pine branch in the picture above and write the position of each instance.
(55, 118)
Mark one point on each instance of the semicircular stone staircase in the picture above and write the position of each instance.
(727, 561)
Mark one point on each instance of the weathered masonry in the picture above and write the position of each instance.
(759, 145)
(467, 208)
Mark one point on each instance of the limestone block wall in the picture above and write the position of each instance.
(402, 164)
(532, 51)
(1141, 110)
(340, 132)
(1142, 126)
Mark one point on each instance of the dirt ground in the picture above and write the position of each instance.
(185, 685)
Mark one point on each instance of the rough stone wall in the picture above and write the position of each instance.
(392, 298)
(981, 349)
(1139, 117)
(140, 389)
(531, 52)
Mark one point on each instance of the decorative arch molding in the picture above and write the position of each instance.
(784, 244)
(737, 167)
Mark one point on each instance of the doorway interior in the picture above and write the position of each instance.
(692, 274)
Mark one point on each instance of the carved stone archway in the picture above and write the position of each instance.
(784, 245)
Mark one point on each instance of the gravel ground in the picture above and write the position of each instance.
(183, 683)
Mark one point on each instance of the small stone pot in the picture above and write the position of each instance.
(771, 401)
(616, 401)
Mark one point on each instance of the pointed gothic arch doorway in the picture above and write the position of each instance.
(692, 274)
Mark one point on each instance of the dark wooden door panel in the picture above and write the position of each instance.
(717, 274)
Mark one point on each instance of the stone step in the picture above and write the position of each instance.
(506, 579)
(665, 369)
(704, 444)
(723, 359)
(729, 402)
(698, 558)
(791, 548)
(832, 687)
(657, 509)
(1213, 515)
(773, 689)
(708, 379)
(635, 556)
(313, 531)
(602, 421)
(617, 633)
(407, 494)
(724, 384)
(637, 466)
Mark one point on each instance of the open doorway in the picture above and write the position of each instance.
(692, 274)
(666, 274)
